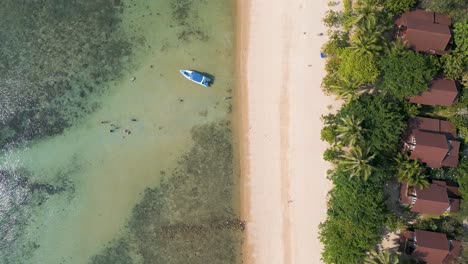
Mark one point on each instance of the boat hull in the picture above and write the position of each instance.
(196, 77)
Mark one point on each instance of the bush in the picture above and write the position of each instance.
(460, 35)
(407, 74)
(331, 155)
(445, 224)
(394, 222)
(398, 6)
(333, 18)
(456, 9)
(336, 44)
(454, 64)
(328, 134)
(356, 216)
(383, 121)
(459, 121)
(358, 67)
(462, 179)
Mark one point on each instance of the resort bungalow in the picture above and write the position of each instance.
(425, 31)
(431, 247)
(440, 92)
(436, 199)
(432, 142)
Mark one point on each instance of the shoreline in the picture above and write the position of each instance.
(240, 118)
(283, 183)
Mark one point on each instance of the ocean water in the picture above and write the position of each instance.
(108, 155)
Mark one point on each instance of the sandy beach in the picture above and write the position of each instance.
(283, 175)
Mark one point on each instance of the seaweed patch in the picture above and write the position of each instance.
(55, 58)
(190, 217)
(188, 20)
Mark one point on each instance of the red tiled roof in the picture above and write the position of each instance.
(429, 17)
(431, 247)
(453, 191)
(433, 142)
(433, 125)
(455, 250)
(404, 198)
(426, 31)
(432, 200)
(454, 205)
(451, 160)
(440, 92)
(435, 199)
(431, 148)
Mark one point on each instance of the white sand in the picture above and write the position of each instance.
(284, 182)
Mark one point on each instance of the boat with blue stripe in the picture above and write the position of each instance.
(196, 77)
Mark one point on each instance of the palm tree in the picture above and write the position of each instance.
(364, 9)
(398, 47)
(350, 131)
(368, 37)
(345, 89)
(366, 44)
(381, 257)
(411, 172)
(358, 162)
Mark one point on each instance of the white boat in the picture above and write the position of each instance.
(196, 77)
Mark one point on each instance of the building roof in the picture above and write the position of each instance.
(431, 148)
(454, 205)
(455, 250)
(426, 31)
(440, 92)
(433, 125)
(432, 142)
(431, 247)
(434, 199)
(426, 16)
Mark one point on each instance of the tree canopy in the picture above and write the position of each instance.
(405, 75)
(358, 67)
(356, 216)
(456, 9)
(383, 121)
(398, 6)
(358, 162)
(460, 35)
(411, 172)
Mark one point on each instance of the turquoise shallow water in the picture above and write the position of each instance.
(95, 116)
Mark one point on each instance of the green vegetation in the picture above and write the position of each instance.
(406, 75)
(356, 215)
(456, 9)
(444, 224)
(190, 217)
(461, 174)
(375, 75)
(349, 131)
(358, 67)
(410, 171)
(383, 121)
(357, 162)
(456, 61)
(398, 6)
(460, 34)
(382, 257)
